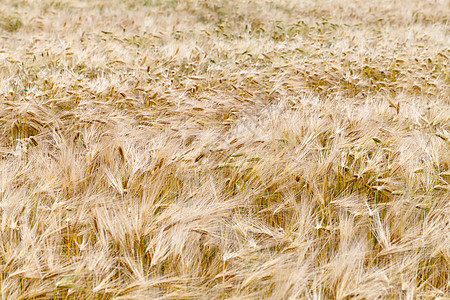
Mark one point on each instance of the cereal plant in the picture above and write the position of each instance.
(242, 149)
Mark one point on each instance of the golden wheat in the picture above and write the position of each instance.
(239, 149)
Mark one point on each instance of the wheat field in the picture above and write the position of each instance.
(241, 149)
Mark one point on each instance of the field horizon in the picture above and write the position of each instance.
(242, 149)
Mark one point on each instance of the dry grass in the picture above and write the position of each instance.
(224, 149)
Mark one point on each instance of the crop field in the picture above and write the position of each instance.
(240, 149)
